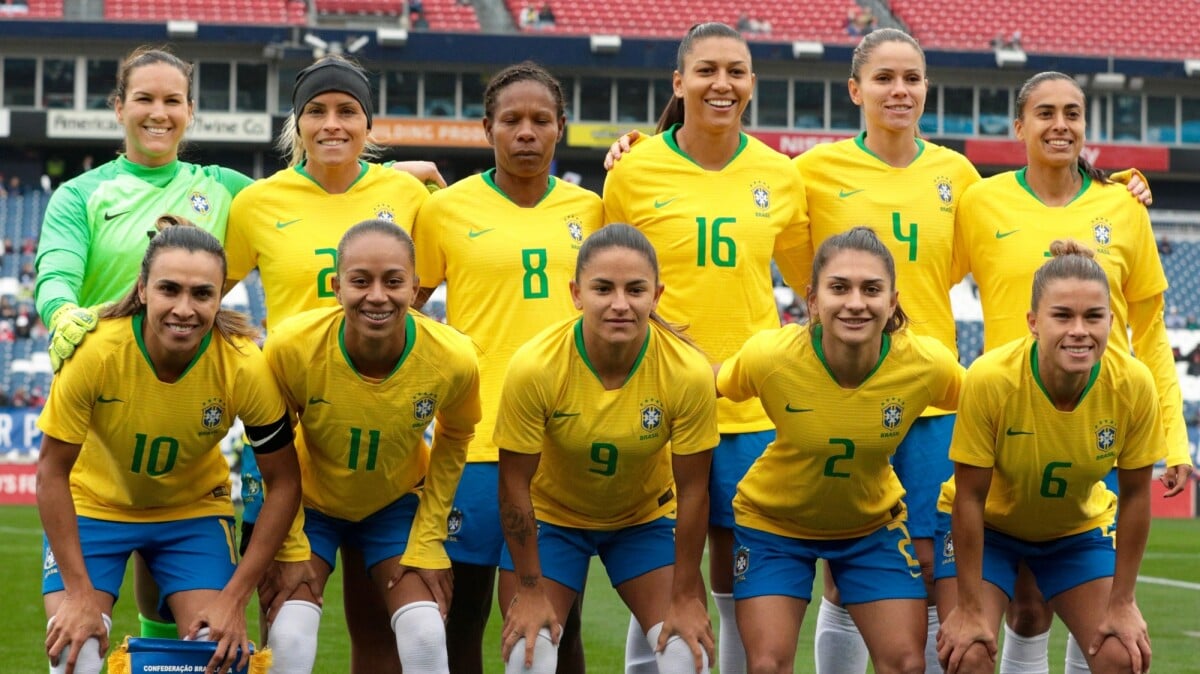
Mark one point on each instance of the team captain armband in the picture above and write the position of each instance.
(272, 437)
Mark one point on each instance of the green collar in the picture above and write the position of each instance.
(1024, 183)
(669, 137)
(362, 165)
(884, 347)
(861, 141)
(583, 353)
(489, 177)
(159, 176)
(139, 319)
(1037, 375)
(410, 338)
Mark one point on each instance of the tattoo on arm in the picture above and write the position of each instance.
(517, 524)
(530, 581)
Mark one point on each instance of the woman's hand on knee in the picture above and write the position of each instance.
(77, 619)
(959, 632)
(688, 618)
(284, 581)
(1124, 623)
(439, 583)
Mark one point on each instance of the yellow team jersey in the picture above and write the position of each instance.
(1004, 235)
(827, 475)
(911, 209)
(151, 449)
(715, 233)
(1048, 465)
(360, 439)
(289, 227)
(605, 455)
(506, 268)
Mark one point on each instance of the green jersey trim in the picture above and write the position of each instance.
(1037, 376)
(885, 347)
(1024, 183)
(583, 353)
(489, 177)
(363, 168)
(410, 338)
(861, 141)
(139, 320)
(669, 137)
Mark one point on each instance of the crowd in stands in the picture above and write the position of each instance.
(536, 18)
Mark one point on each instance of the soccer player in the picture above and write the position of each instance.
(606, 429)
(289, 226)
(365, 379)
(717, 205)
(843, 392)
(505, 243)
(1005, 226)
(1043, 420)
(130, 460)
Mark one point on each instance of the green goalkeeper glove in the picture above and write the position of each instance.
(69, 325)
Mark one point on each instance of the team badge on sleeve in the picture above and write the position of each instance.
(200, 203)
(212, 414)
(1106, 438)
(424, 405)
(762, 196)
(741, 563)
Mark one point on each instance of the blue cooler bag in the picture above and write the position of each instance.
(143, 655)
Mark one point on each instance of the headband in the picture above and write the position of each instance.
(331, 75)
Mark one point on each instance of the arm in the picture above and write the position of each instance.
(1122, 619)
(687, 615)
(425, 171)
(62, 253)
(966, 624)
(422, 297)
(530, 609)
(78, 618)
(619, 147)
(1136, 183)
(1153, 347)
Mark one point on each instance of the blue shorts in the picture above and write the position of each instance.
(731, 460)
(380, 535)
(473, 533)
(182, 555)
(565, 552)
(1057, 565)
(922, 462)
(880, 565)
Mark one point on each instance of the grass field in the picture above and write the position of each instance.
(1169, 597)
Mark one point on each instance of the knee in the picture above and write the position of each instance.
(905, 661)
(977, 659)
(295, 628)
(418, 627)
(1029, 617)
(768, 663)
(1112, 658)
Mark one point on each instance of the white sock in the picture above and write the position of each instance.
(90, 658)
(1076, 661)
(1024, 655)
(293, 637)
(639, 653)
(676, 657)
(838, 647)
(931, 658)
(731, 654)
(421, 638)
(545, 656)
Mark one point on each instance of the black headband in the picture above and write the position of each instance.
(331, 75)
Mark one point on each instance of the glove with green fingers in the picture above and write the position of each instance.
(69, 325)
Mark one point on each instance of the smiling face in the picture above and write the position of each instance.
(524, 128)
(182, 294)
(616, 290)
(716, 83)
(375, 285)
(1071, 323)
(891, 87)
(333, 129)
(853, 299)
(155, 112)
(1052, 123)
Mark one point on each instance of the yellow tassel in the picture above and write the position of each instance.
(260, 662)
(118, 660)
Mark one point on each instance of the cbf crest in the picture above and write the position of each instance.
(575, 229)
(1106, 438)
(385, 212)
(212, 413)
(762, 196)
(424, 405)
(893, 415)
(651, 415)
(945, 190)
(1102, 231)
(948, 549)
(200, 203)
(741, 563)
(454, 523)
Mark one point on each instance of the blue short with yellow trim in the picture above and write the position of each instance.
(922, 462)
(380, 535)
(730, 461)
(473, 533)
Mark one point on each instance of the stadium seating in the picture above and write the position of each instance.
(789, 19)
(34, 9)
(1097, 28)
(266, 12)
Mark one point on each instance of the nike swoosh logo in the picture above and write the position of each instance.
(316, 401)
(281, 225)
(1001, 235)
(789, 408)
(109, 216)
(847, 193)
(1010, 431)
(267, 439)
(479, 232)
(561, 415)
(102, 399)
(660, 204)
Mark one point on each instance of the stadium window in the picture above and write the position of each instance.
(595, 99)
(663, 92)
(20, 82)
(808, 105)
(1098, 117)
(283, 89)
(58, 83)
(473, 85)
(400, 92)
(1160, 119)
(929, 119)
(958, 110)
(994, 114)
(843, 113)
(1127, 117)
(251, 87)
(214, 86)
(772, 103)
(439, 94)
(1189, 126)
(633, 100)
(101, 80)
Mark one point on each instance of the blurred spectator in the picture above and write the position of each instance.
(418, 21)
(87, 164)
(795, 312)
(28, 246)
(1164, 246)
(860, 23)
(6, 331)
(528, 17)
(27, 277)
(37, 398)
(23, 325)
(1174, 319)
(416, 7)
(9, 248)
(20, 397)
(39, 331)
(545, 16)
(15, 187)
(5, 401)
(747, 24)
(1193, 360)
(8, 310)
(1192, 323)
